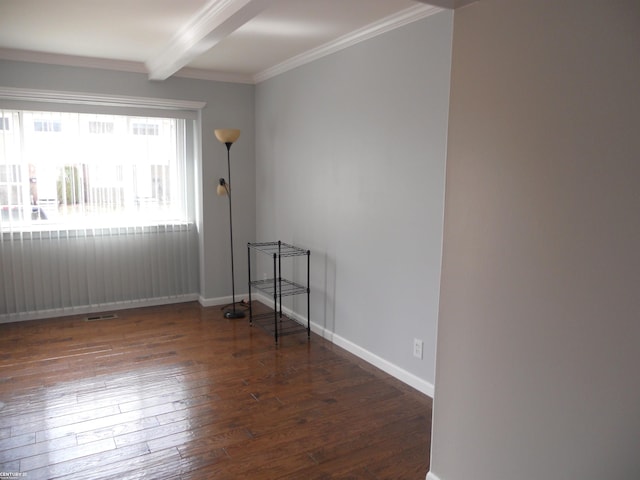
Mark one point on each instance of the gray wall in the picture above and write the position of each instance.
(228, 106)
(350, 164)
(538, 349)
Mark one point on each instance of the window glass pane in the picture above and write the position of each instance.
(46, 126)
(84, 170)
(145, 129)
(100, 127)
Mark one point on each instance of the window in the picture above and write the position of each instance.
(93, 214)
(100, 127)
(97, 170)
(46, 126)
(9, 173)
(145, 129)
(11, 193)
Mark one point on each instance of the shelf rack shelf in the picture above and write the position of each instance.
(285, 288)
(277, 287)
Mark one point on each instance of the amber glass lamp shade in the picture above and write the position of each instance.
(227, 135)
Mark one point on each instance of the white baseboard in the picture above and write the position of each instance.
(379, 362)
(102, 307)
(432, 476)
(386, 366)
(214, 302)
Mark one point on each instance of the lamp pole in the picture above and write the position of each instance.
(228, 136)
(232, 313)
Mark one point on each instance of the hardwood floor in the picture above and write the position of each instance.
(179, 392)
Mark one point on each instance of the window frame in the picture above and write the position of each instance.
(144, 107)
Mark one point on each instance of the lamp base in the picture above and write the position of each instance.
(231, 314)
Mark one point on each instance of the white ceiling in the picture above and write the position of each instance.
(235, 40)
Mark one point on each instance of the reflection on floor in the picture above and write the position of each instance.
(179, 392)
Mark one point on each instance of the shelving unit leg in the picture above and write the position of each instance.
(280, 273)
(275, 300)
(249, 285)
(308, 295)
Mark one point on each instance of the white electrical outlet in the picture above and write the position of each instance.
(417, 348)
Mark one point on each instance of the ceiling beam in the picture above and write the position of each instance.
(213, 23)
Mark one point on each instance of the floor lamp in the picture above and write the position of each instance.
(228, 136)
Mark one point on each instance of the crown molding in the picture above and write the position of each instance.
(116, 65)
(71, 60)
(28, 94)
(387, 24)
(214, 76)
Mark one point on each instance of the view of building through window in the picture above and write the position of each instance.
(89, 169)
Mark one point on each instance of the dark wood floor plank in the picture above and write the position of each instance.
(9, 442)
(166, 464)
(204, 466)
(118, 430)
(65, 454)
(47, 421)
(408, 465)
(160, 465)
(12, 466)
(38, 448)
(179, 392)
(87, 463)
(102, 422)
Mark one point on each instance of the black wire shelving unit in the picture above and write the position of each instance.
(278, 287)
